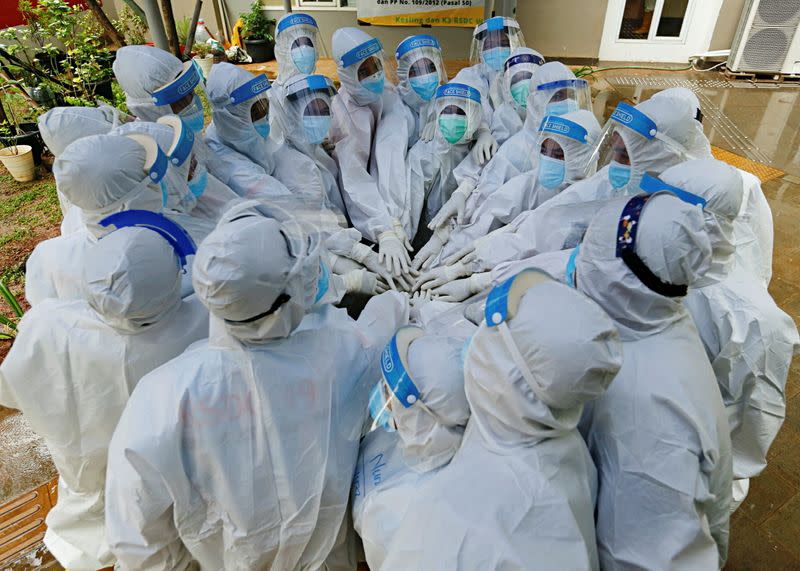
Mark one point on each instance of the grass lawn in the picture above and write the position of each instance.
(29, 213)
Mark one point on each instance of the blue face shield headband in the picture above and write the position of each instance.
(184, 146)
(416, 42)
(643, 125)
(252, 88)
(565, 128)
(179, 88)
(295, 19)
(360, 53)
(626, 249)
(523, 58)
(171, 231)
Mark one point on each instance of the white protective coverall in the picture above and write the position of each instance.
(371, 131)
(753, 229)
(515, 82)
(252, 165)
(307, 115)
(75, 362)
(142, 70)
(392, 465)
(520, 152)
(240, 453)
(61, 126)
(180, 198)
(101, 175)
(659, 436)
(297, 44)
(511, 203)
(749, 340)
(519, 493)
(420, 71)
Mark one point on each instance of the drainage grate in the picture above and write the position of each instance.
(726, 129)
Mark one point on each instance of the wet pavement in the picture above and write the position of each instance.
(757, 128)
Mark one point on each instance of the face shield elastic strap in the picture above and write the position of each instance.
(179, 88)
(564, 127)
(360, 53)
(564, 84)
(523, 58)
(252, 88)
(458, 90)
(295, 20)
(416, 42)
(651, 185)
(317, 83)
(626, 250)
(637, 121)
(276, 305)
(171, 231)
(497, 313)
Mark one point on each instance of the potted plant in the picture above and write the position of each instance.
(257, 33)
(204, 58)
(18, 125)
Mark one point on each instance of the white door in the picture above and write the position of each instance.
(658, 30)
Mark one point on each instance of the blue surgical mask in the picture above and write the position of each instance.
(304, 58)
(199, 182)
(496, 57)
(519, 91)
(619, 175)
(262, 127)
(374, 83)
(316, 128)
(425, 85)
(453, 127)
(551, 171)
(559, 108)
(193, 116)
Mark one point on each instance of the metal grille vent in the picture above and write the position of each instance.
(766, 49)
(784, 13)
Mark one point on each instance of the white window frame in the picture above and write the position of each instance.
(321, 5)
(695, 37)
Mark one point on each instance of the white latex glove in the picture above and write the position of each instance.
(369, 259)
(439, 276)
(416, 303)
(455, 206)
(341, 265)
(464, 256)
(460, 290)
(485, 146)
(362, 281)
(401, 233)
(428, 131)
(393, 254)
(429, 251)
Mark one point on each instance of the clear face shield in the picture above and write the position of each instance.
(310, 103)
(420, 66)
(396, 389)
(517, 77)
(555, 136)
(561, 97)
(494, 40)
(182, 156)
(253, 96)
(458, 112)
(364, 66)
(298, 41)
(182, 95)
(611, 149)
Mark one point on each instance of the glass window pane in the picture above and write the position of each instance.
(637, 19)
(672, 16)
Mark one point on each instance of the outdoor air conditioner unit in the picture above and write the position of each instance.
(768, 38)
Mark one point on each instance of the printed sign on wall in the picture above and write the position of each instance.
(459, 13)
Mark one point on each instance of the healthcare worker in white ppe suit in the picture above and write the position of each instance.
(420, 72)
(519, 493)
(297, 44)
(419, 413)
(659, 437)
(748, 339)
(371, 132)
(240, 453)
(515, 83)
(101, 175)
(75, 363)
(753, 229)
